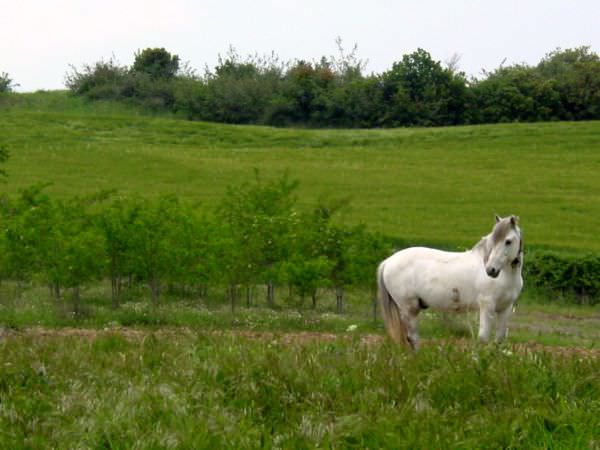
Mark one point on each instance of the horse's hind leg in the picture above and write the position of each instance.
(412, 334)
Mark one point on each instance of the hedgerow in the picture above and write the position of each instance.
(335, 92)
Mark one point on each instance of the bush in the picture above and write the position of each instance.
(102, 80)
(576, 277)
(516, 93)
(240, 91)
(333, 92)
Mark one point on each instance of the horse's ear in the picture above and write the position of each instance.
(498, 219)
(514, 220)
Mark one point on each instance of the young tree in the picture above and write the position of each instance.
(307, 275)
(116, 222)
(150, 250)
(366, 251)
(259, 217)
(28, 230)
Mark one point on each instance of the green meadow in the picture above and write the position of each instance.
(182, 388)
(425, 186)
(199, 373)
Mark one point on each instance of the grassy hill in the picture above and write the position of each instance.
(439, 185)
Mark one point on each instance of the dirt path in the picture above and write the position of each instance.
(293, 337)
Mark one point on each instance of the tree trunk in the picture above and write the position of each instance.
(339, 299)
(57, 291)
(248, 296)
(270, 294)
(231, 293)
(155, 290)
(76, 301)
(314, 299)
(115, 285)
(375, 303)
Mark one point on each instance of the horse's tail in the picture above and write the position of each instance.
(392, 317)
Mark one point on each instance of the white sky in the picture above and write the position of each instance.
(39, 39)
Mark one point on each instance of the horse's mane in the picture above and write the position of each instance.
(483, 247)
(487, 242)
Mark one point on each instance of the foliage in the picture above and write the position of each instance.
(516, 93)
(156, 63)
(258, 237)
(240, 90)
(430, 186)
(6, 83)
(576, 77)
(419, 91)
(102, 80)
(573, 276)
(334, 91)
(4, 155)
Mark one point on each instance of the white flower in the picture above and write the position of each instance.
(351, 327)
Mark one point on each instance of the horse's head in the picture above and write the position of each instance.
(504, 246)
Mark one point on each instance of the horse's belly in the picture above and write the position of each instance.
(444, 296)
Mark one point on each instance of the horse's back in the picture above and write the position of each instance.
(437, 278)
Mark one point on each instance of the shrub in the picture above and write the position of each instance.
(576, 277)
(102, 80)
(516, 93)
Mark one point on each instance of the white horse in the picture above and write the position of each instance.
(487, 277)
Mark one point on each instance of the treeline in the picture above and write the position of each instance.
(336, 92)
(257, 237)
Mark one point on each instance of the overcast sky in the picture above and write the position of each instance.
(40, 39)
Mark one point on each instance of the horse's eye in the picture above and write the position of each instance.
(508, 242)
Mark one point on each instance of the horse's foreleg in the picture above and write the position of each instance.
(502, 324)
(486, 316)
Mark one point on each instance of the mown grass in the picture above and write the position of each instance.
(437, 186)
(193, 389)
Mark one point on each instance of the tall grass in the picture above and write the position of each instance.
(200, 390)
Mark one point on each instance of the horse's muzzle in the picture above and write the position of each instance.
(492, 272)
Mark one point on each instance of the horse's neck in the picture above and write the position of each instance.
(482, 247)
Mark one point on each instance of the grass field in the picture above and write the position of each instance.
(192, 374)
(438, 186)
(182, 388)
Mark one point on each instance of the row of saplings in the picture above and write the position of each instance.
(257, 236)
